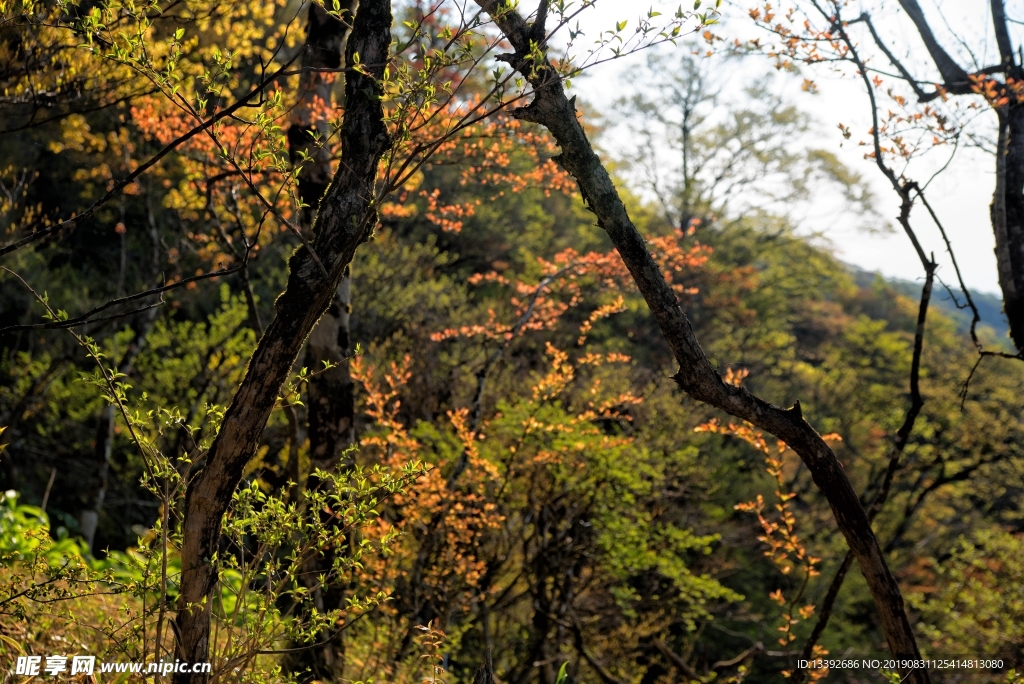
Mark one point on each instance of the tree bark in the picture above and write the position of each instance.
(345, 220)
(331, 406)
(310, 129)
(1008, 217)
(331, 393)
(999, 25)
(953, 75)
(553, 110)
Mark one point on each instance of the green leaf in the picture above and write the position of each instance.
(562, 674)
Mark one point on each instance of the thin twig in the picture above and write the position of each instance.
(46, 494)
(143, 168)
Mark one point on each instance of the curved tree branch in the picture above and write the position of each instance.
(1002, 35)
(953, 75)
(553, 110)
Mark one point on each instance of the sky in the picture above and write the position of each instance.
(960, 195)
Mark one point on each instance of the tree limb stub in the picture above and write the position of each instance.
(345, 220)
(553, 110)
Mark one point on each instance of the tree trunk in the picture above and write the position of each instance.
(331, 403)
(331, 394)
(1008, 217)
(310, 130)
(89, 518)
(344, 221)
(1007, 211)
(553, 110)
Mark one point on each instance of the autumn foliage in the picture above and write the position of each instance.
(525, 491)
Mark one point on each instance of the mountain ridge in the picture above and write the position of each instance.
(990, 306)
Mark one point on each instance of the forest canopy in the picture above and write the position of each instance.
(343, 342)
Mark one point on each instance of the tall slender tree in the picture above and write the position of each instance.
(345, 220)
(330, 408)
(552, 109)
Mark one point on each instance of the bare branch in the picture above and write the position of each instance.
(150, 163)
(911, 81)
(680, 664)
(1002, 34)
(895, 453)
(953, 75)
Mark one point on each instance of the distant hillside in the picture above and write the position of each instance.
(990, 306)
